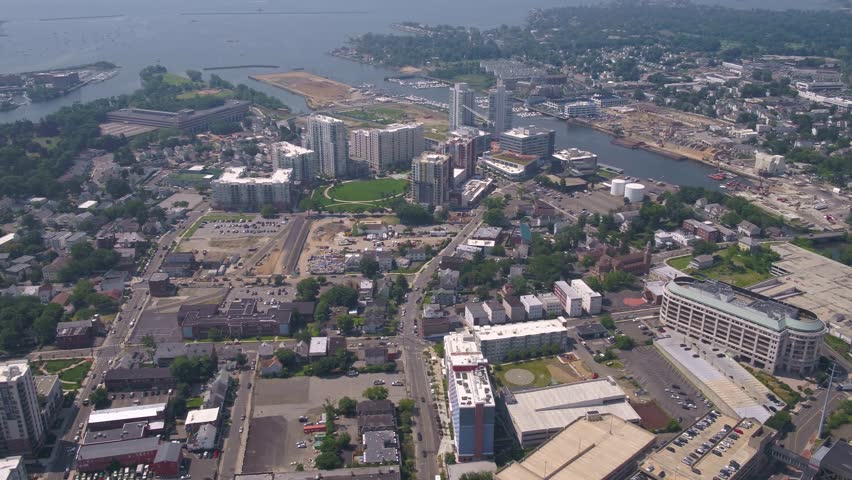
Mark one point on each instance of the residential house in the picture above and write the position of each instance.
(444, 297)
(448, 279)
(748, 229)
(270, 367)
(416, 254)
(748, 244)
(700, 262)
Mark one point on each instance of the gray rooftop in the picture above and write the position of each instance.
(380, 447)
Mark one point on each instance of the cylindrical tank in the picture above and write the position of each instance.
(634, 192)
(617, 187)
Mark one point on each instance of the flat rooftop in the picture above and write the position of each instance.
(127, 413)
(526, 132)
(487, 233)
(573, 154)
(668, 465)
(239, 175)
(512, 157)
(288, 148)
(207, 415)
(473, 387)
(538, 327)
(461, 350)
(584, 450)
(13, 370)
(116, 449)
(748, 306)
(552, 408)
(812, 282)
(129, 431)
(743, 394)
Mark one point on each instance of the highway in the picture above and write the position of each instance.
(416, 375)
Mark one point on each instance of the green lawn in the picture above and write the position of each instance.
(194, 402)
(536, 367)
(76, 374)
(720, 272)
(380, 115)
(188, 177)
(47, 142)
(53, 366)
(221, 94)
(779, 388)
(477, 81)
(679, 263)
(839, 346)
(368, 190)
(173, 79)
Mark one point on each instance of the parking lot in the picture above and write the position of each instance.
(275, 428)
(664, 383)
(265, 295)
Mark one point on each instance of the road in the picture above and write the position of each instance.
(807, 420)
(113, 344)
(416, 376)
(231, 437)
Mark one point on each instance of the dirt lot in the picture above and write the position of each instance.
(278, 403)
(317, 90)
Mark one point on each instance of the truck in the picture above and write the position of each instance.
(844, 387)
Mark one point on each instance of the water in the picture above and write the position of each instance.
(165, 32)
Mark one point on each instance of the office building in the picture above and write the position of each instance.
(538, 414)
(499, 109)
(186, 120)
(22, 428)
(464, 146)
(472, 407)
(496, 341)
(572, 301)
(236, 190)
(762, 332)
(532, 141)
(577, 162)
(13, 468)
(430, 179)
(326, 136)
(461, 106)
(240, 319)
(581, 108)
(607, 101)
(388, 148)
(301, 161)
(593, 447)
(591, 299)
(532, 306)
(510, 165)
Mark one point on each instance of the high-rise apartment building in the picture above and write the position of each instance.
(461, 106)
(302, 161)
(499, 109)
(431, 176)
(535, 141)
(236, 190)
(387, 148)
(22, 429)
(760, 331)
(464, 146)
(472, 407)
(326, 136)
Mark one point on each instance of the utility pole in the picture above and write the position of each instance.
(825, 403)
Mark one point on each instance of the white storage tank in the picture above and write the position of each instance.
(634, 192)
(617, 187)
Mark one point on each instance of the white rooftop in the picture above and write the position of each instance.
(207, 415)
(288, 149)
(126, 413)
(8, 465)
(568, 290)
(554, 407)
(573, 154)
(87, 204)
(319, 346)
(539, 327)
(583, 288)
(472, 387)
(530, 300)
(461, 350)
(13, 370)
(237, 175)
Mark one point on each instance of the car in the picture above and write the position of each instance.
(241, 429)
(397, 383)
(303, 419)
(378, 382)
(243, 417)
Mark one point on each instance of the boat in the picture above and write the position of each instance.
(717, 176)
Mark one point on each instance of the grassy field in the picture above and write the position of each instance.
(368, 190)
(188, 177)
(194, 402)
(839, 346)
(720, 272)
(536, 367)
(477, 81)
(53, 366)
(47, 142)
(173, 79)
(76, 374)
(380, 115)
(220, 94)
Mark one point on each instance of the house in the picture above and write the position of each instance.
(748, 229)
(748, 244)
(365, 291)
(451, 263)
(448, 279)
(416, 254)
(376, 356)
(432, 310)
(77, 334)
(18, 272)
(495, 311)
(50, 272)
(265, 350)
(444, 297)
(375, 318)
(475, 315)
(702, 230)
(662, 239)
(217, 390)
(514, 309)
(179, 264)
(167, 461)
(318, 348)
(701, 262)
(270, 367)
(726, 234)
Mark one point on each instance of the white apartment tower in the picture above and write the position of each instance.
(591, 299)
(431, 174)
(22, 429)
(301, 160)
(236, 190)
(387, 148)
(461, 106)
(500, 109)
(326, 136)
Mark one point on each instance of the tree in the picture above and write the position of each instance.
(307, 289)
(328, 461)
(376, 393)
(369, 267)
(781, 421)
(194, 75)
(99, 398)
(494, 217)
(623, 342)
(287, 358)
(44, 326)
(449, 458)
(278, 280)
(346, 323)
(703, 247)
(607, 322)
(241, 359)
(149, 342)
(346, 407)
(498, 251)
(268, 211)
(117, 187)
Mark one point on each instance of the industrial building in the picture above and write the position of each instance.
(762, 332)
(496, 341)
(593, 447)
(539, 414)
(471, 396)
(387, 148)
(117, 417)
(302, 161)
(326, 137)
(186, 120)
(430, 179)
(23, 429)
(236, 190)
(770, 165)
